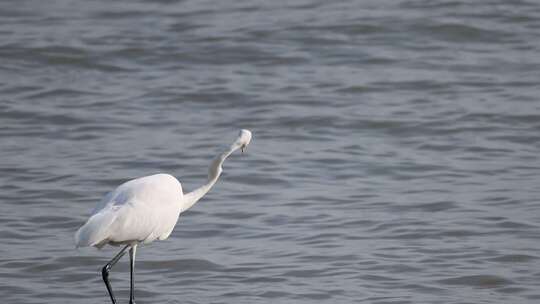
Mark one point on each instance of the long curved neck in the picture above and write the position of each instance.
(213, 174)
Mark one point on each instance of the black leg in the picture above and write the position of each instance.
(132, 252)
(105, 271)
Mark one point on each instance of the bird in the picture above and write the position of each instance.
(143, 210)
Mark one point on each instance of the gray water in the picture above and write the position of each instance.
(395, 156)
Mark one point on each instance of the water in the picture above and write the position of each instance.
(395, 156)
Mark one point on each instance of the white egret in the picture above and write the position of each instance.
(143, 210)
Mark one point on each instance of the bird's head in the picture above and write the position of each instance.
(243, 139)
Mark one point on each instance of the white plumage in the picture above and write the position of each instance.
(140, 210)
(145, 209)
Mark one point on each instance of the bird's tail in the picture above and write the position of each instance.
(95, 230)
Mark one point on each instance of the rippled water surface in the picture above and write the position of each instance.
(395, 156)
